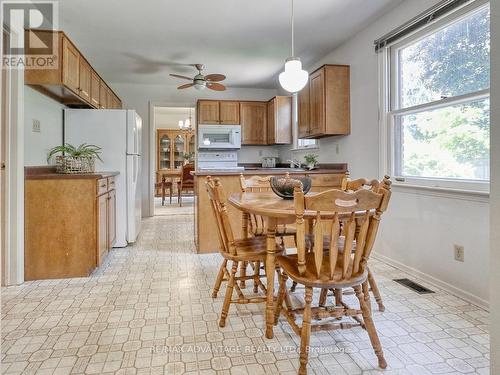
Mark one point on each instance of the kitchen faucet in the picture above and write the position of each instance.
(294, 163)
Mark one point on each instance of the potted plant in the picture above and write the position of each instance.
(311, 161)
(73, 159)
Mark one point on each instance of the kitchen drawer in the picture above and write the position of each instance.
(111, 183)
(327, 181)
(102, 186)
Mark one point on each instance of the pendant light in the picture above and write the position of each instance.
(294, 78)
(181, 124)
(187, 123)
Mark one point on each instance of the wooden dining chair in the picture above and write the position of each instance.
(186, 183)
(355, 215)
(351, 186)
(163, 185)
(252, 249)
(256, 224)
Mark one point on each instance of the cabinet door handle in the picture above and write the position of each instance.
(103, 185)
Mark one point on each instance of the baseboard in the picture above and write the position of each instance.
(484, 304)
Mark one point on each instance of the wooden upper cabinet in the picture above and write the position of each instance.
(103, 96)
(95, 89)
(208, 112)
(253, 117)
(110, 98)
(85, 80)
(324, 105)
(72, 81)
(279, 120)
(303, 112)
(71, 66)
(271, 121)
(229, 113)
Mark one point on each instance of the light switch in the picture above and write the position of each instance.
(36, 126)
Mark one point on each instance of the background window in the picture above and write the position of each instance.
(440, 101)
(307, 143)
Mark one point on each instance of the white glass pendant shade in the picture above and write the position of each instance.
(181, 124)
(294, 78)
(187, 123)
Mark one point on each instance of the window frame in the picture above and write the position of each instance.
(391, 113)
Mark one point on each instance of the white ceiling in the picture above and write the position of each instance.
(137, 41)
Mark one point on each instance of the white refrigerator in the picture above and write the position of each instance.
(118, 133)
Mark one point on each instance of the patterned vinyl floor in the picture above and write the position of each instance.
(148, 310)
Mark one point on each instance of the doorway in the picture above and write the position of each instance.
(174, 148)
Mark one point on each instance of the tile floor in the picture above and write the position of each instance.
(148, 310)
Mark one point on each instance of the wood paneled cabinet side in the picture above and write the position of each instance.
(253, 116)
(279, 120)
(70, 226)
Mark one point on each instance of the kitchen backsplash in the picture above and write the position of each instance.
(254, 154)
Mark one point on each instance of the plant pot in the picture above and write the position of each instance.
(70, 164)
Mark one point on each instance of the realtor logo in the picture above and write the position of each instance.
(31, 43)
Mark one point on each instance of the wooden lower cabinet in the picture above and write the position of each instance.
(106, 224)
(102, 227)
(70, 224)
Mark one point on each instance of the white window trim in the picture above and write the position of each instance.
(386, 116)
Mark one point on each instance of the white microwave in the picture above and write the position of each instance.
(219, 137)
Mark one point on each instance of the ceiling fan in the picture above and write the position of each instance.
(200, 82)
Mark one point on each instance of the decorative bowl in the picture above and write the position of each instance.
(283, 186)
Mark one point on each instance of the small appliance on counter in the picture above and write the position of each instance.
(218, 161)
(269, 161)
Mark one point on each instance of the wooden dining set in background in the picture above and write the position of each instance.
(319, 240)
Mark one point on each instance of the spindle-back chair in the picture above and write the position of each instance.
(334, 265)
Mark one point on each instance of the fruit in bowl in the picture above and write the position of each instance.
(283, 186)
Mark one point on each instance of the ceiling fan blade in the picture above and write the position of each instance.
(179, 76)
(216, 86)
(215, 77)
(187, 85)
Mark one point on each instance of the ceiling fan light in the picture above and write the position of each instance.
(294, 78)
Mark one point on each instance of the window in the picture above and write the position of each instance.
(439, 102)
(307, 143)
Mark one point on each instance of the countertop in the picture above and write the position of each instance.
(49, 172)
(253, 170)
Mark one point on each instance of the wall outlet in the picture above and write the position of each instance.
(261, 152)
(36, 126)
(337, 149)
(459, 253)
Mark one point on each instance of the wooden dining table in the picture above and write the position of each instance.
(276, 211)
